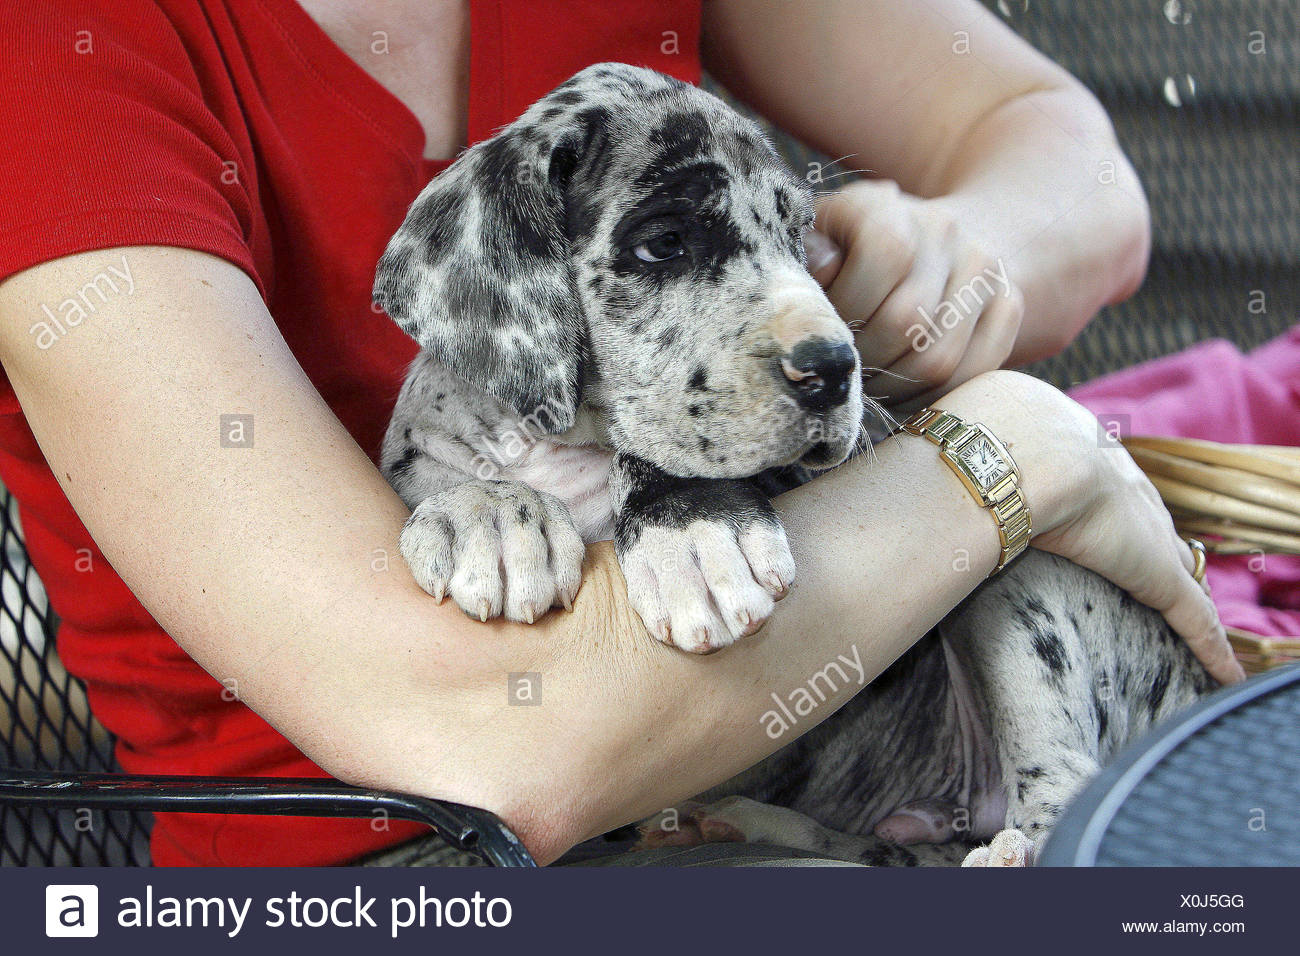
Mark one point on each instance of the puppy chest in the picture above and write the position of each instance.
(576, 474)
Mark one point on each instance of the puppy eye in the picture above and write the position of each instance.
(667, 245)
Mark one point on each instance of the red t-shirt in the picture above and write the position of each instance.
(238, 128)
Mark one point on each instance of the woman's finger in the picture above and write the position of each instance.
(825, 257)
(896, 330)
(989, 347)
(1193, 615)
(879, 248)
(941, 336)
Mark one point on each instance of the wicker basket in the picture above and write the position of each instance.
(1237, 499)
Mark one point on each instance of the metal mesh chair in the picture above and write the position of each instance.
(45, 725)
(63, 804)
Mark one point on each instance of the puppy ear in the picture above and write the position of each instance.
(479, 272)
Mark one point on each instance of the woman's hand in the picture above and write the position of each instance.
(931, 304)
(1092, 504)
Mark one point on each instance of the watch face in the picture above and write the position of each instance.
(984, 462)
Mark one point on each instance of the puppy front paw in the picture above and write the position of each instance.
(709, 583)
(497, 547)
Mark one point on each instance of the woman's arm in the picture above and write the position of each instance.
(260, 562)
(1008, 160)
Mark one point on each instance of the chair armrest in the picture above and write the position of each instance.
(468, 828)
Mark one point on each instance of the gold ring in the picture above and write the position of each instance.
(1198, 553)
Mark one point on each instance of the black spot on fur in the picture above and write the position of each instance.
(699, 380)
(782, 203)
(1159, 687)
(404, 464)
(1102, 713)
(680, 137)
(693, 201)
(1041, 625)
(658, 499)
(1038, 608)
(1050, 649)
(436, 221)
(513, 224)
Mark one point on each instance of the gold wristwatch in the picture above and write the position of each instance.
(985, 468)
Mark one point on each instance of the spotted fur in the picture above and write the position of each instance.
(552, 346)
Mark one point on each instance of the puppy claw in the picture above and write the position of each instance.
(484, 610)
(701, 644)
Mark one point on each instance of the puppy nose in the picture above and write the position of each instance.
(818, 372)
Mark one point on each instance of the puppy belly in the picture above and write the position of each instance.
(910, 758)
(576, 474)
(971, 802)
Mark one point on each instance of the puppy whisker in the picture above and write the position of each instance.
(870, 372)
(836, 162)
(847, 172)
(881, 412)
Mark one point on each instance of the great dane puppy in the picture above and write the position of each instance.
(618, 334)
(619, 337)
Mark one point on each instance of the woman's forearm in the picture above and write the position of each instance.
(626, 726)
(1043, 183)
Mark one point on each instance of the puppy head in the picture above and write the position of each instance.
(634, 246)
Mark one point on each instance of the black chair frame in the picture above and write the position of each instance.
(466, 828)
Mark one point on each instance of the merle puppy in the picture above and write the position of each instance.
(620, 338)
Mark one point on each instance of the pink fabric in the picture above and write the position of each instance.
(1213, 391)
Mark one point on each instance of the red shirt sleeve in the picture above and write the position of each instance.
(108, 141)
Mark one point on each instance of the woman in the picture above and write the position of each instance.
(199, 190)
